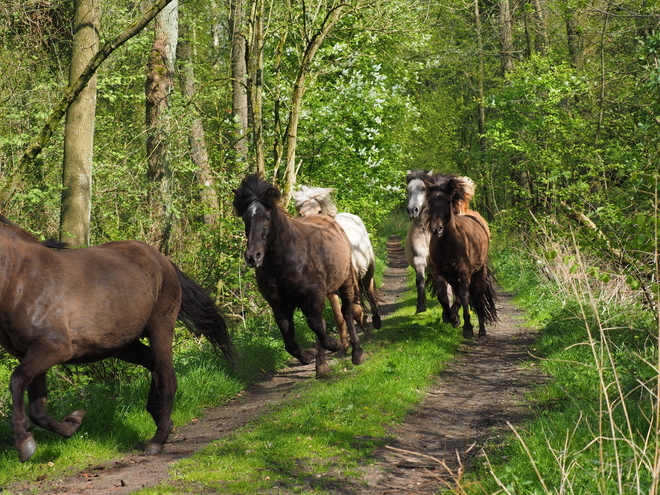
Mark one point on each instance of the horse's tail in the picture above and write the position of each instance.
(202, 317)
(490, 296)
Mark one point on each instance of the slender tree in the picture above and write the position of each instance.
(79, 131)
(239, 83)
(158, 88)
(198, 150)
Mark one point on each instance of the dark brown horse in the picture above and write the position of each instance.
(84, 305)
(459, 253)
(299, 262)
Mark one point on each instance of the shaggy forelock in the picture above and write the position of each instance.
(319, 194)
(417, 174)
(254, 188)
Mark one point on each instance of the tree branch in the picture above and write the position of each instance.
(72, 92)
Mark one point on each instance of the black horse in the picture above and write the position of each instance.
(84, 305)
(459, 253)
(299, 262)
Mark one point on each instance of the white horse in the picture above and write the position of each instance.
(315, 201)
(418, 236)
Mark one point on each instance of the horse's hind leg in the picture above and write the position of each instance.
(37, 395)
(335, 305)
(370, 289)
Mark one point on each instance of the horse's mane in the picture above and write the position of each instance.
(418, 174)
(254, 188)
(319, 194)
(17, 232)
(459, 188)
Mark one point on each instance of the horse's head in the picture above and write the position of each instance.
(314, 201)
(416, 188)
(255, 202)
(442, 193)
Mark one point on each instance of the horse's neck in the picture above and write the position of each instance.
(283, 232)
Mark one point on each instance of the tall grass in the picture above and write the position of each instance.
(596, 428)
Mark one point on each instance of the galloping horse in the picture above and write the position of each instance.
(298, 263)
(459, 254)
(60, 306)
(317, 200)
(417, 239)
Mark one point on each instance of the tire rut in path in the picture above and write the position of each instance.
(469, 404)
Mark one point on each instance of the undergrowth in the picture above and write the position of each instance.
(595, 427)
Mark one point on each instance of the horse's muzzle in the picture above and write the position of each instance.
(413, 212)
(437, 231)
(253, 260)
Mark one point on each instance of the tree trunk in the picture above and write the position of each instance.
(198, 151)
(255, 71)
(299, 88)
(239, 84)
(506, 36)
(70, 95)
(158, 88)
(574, 39)
(542, 39)
(79, 131)
(481, 110)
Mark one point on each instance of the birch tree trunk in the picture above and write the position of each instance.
(76, 206)
(255, 71)
(198, 150)
(239, 84)
(158, 88)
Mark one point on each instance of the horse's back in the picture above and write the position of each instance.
(82, 296)
(361, 249)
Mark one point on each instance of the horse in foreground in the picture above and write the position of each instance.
(298, 262)
(459, 253)
(317, 201)
(416, 246)
(61, 306)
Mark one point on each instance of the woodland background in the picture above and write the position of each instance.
(551, 107)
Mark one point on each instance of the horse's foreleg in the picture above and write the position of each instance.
(449, 314)
(420, 273)
(464, 297)
(284, 321)
(40, 357)
(346, 293)
(373, 302)
(37, 397)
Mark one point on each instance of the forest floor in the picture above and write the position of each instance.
(468, 406)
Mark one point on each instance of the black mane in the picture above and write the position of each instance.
(417, 174)
(24, 235)
(254, 188)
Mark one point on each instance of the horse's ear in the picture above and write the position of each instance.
(430, 173)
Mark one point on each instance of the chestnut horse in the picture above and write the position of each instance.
(459, 253)
(317, 201)
(84, 305)
(298, 263)
(416, 246)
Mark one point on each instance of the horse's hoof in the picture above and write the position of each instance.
(421, 309)
(468, 334)
(457, 323)
(153, 448)
(375, 321)
(331, 344)
(322, 370)
(357, 357)
(73, 422)
(26, 448)
(307, 356)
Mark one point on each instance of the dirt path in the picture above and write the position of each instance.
(470, 404)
